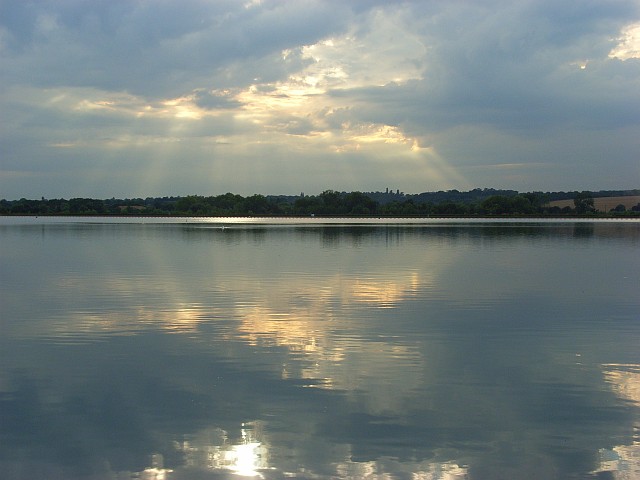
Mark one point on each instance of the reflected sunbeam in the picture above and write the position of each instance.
(418, 352)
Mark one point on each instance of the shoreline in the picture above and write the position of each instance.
(225, 221)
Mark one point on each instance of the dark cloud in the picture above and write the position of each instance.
(215, 99)
(516, 67)
(155, 48)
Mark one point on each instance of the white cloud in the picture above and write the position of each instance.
(628, 46)
(380, 51)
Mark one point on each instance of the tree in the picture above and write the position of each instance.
(357, 203)
(583, 202)
(331, 202)
(496, 205)
(191, 205)
(619, 208)
(256, 204)
(306, 205)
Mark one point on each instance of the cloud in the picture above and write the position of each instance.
(156, 48)
(471, 83)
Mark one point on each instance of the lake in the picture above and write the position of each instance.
(321, 349)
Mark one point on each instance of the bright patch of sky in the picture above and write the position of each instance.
(628, 45)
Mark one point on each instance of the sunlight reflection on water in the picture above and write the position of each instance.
(434, 352)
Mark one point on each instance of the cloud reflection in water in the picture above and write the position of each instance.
(422, 363)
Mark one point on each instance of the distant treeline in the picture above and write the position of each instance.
(476, 202)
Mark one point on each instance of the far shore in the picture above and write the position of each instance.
(229, 221)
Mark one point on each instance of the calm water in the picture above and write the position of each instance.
(437, 351)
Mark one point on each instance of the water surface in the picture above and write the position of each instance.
(434, 350)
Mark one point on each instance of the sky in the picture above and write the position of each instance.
(137, 98)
